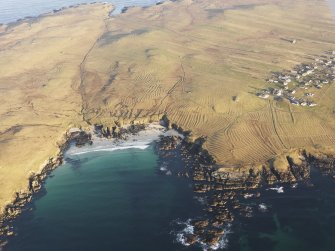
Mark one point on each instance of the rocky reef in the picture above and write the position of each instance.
(220, 189)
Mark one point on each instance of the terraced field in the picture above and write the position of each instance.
(201, 62)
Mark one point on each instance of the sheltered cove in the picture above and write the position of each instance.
(222, 186)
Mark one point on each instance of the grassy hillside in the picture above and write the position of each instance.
(39, 80)
(201, 63)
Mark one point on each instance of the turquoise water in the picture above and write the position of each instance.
(106, 201)
(121, 201)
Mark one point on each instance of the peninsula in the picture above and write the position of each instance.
(212, 69)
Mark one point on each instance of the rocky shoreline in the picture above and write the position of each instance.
(35, 183)
(218, 188)
(221, 189)
(74, 136)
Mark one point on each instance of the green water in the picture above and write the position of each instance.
(106, 201)
(120, 201)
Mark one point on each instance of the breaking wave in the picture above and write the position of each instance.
(142, 140)
(188, 229)
(278, 189)
(263, 207)
(109, 149)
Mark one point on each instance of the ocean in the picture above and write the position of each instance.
(12, 10)
(117, 200)
(122, 196)
(332, 6)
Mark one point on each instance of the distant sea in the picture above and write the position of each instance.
(12, 10)
(332, 6)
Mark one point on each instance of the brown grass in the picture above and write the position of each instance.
(187, 61)
(39, 79)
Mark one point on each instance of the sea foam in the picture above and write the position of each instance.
(188, 229)
(111, 149)
(278, 189)
(141, 140)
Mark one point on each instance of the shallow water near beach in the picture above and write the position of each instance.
(115, 200)
(122, 199)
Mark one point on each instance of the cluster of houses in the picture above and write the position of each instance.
(299, 85)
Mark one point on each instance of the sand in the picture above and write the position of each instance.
(141, 140)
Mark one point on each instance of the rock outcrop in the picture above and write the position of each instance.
(221, 188)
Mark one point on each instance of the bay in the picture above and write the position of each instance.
(107, 201)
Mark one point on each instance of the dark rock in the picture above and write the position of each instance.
(190, 239)
(200, 224)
